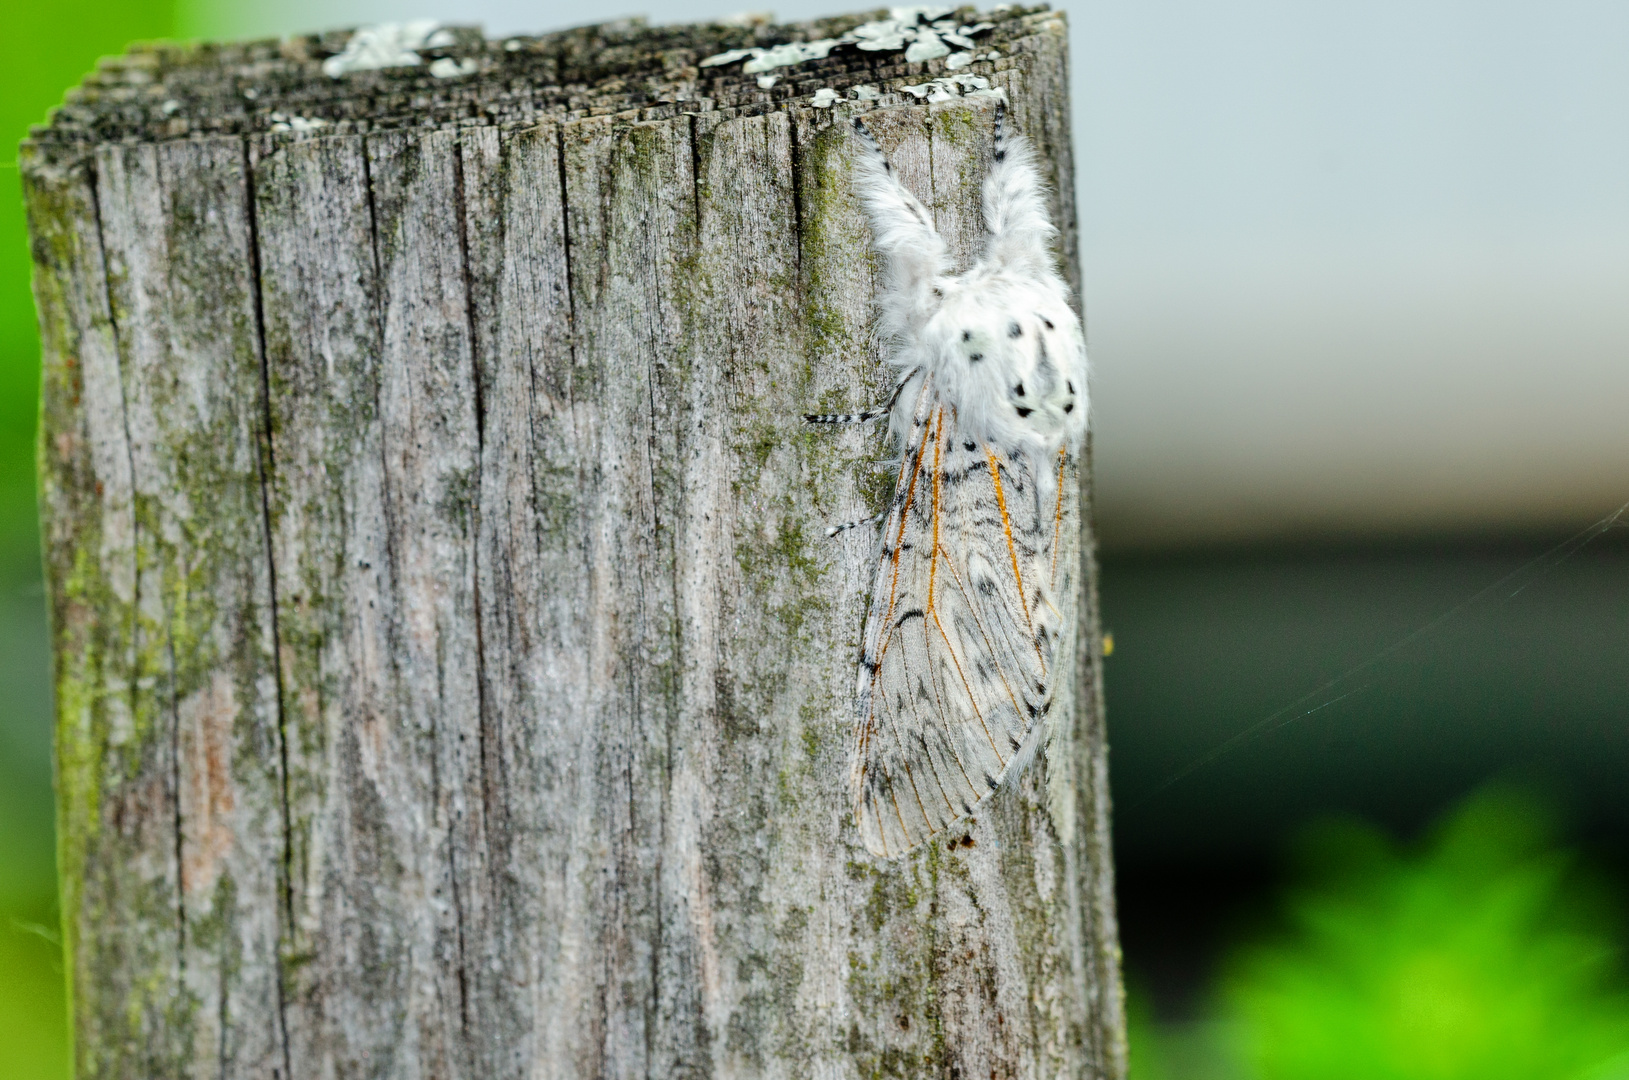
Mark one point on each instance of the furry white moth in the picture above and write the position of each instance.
(971, 623)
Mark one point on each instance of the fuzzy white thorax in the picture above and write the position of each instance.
(1000, 340)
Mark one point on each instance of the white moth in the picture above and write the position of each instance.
(970, 630)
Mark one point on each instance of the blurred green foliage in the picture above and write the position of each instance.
(1484, 953)
(56, 44)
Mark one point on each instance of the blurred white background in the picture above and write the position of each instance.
(1351, 270)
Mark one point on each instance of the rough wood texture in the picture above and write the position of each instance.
(452, 677)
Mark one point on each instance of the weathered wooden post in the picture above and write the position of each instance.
(453, 679)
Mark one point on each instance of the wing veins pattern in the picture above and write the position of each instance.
(1012, 549)
(947, 710)
(904, 520)
(961, 765)
(938, 482)
(921, 728)
(983, 632)
(899, 543)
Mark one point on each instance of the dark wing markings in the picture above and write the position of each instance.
(887, 639)
(985, 634)
(887, 633)
(922, 727)
(971, 700)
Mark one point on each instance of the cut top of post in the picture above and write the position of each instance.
(429, 75)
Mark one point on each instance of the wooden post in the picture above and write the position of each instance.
(453, 678)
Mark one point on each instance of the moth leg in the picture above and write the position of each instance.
(847, 525)
(846, 418)
(899, 387)
(861, 417)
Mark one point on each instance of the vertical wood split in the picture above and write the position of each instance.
(452, 676)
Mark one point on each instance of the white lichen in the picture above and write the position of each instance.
(824, 98)
(729, 57)
(447, 68)
(299, 125)
(953, 86)
(865, 93)
(928, 46)
(885, 36)
(957, 61)
(385, 45)
(767, 81)
(795, 52)
(958, 35)
(921, 31)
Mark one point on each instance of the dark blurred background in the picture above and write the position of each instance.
(1355, 291)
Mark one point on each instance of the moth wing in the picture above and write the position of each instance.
(960, 639)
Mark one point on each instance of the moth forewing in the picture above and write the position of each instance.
(968, 651)
(962, 636)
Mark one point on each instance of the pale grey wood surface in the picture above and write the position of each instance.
(453, 677)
